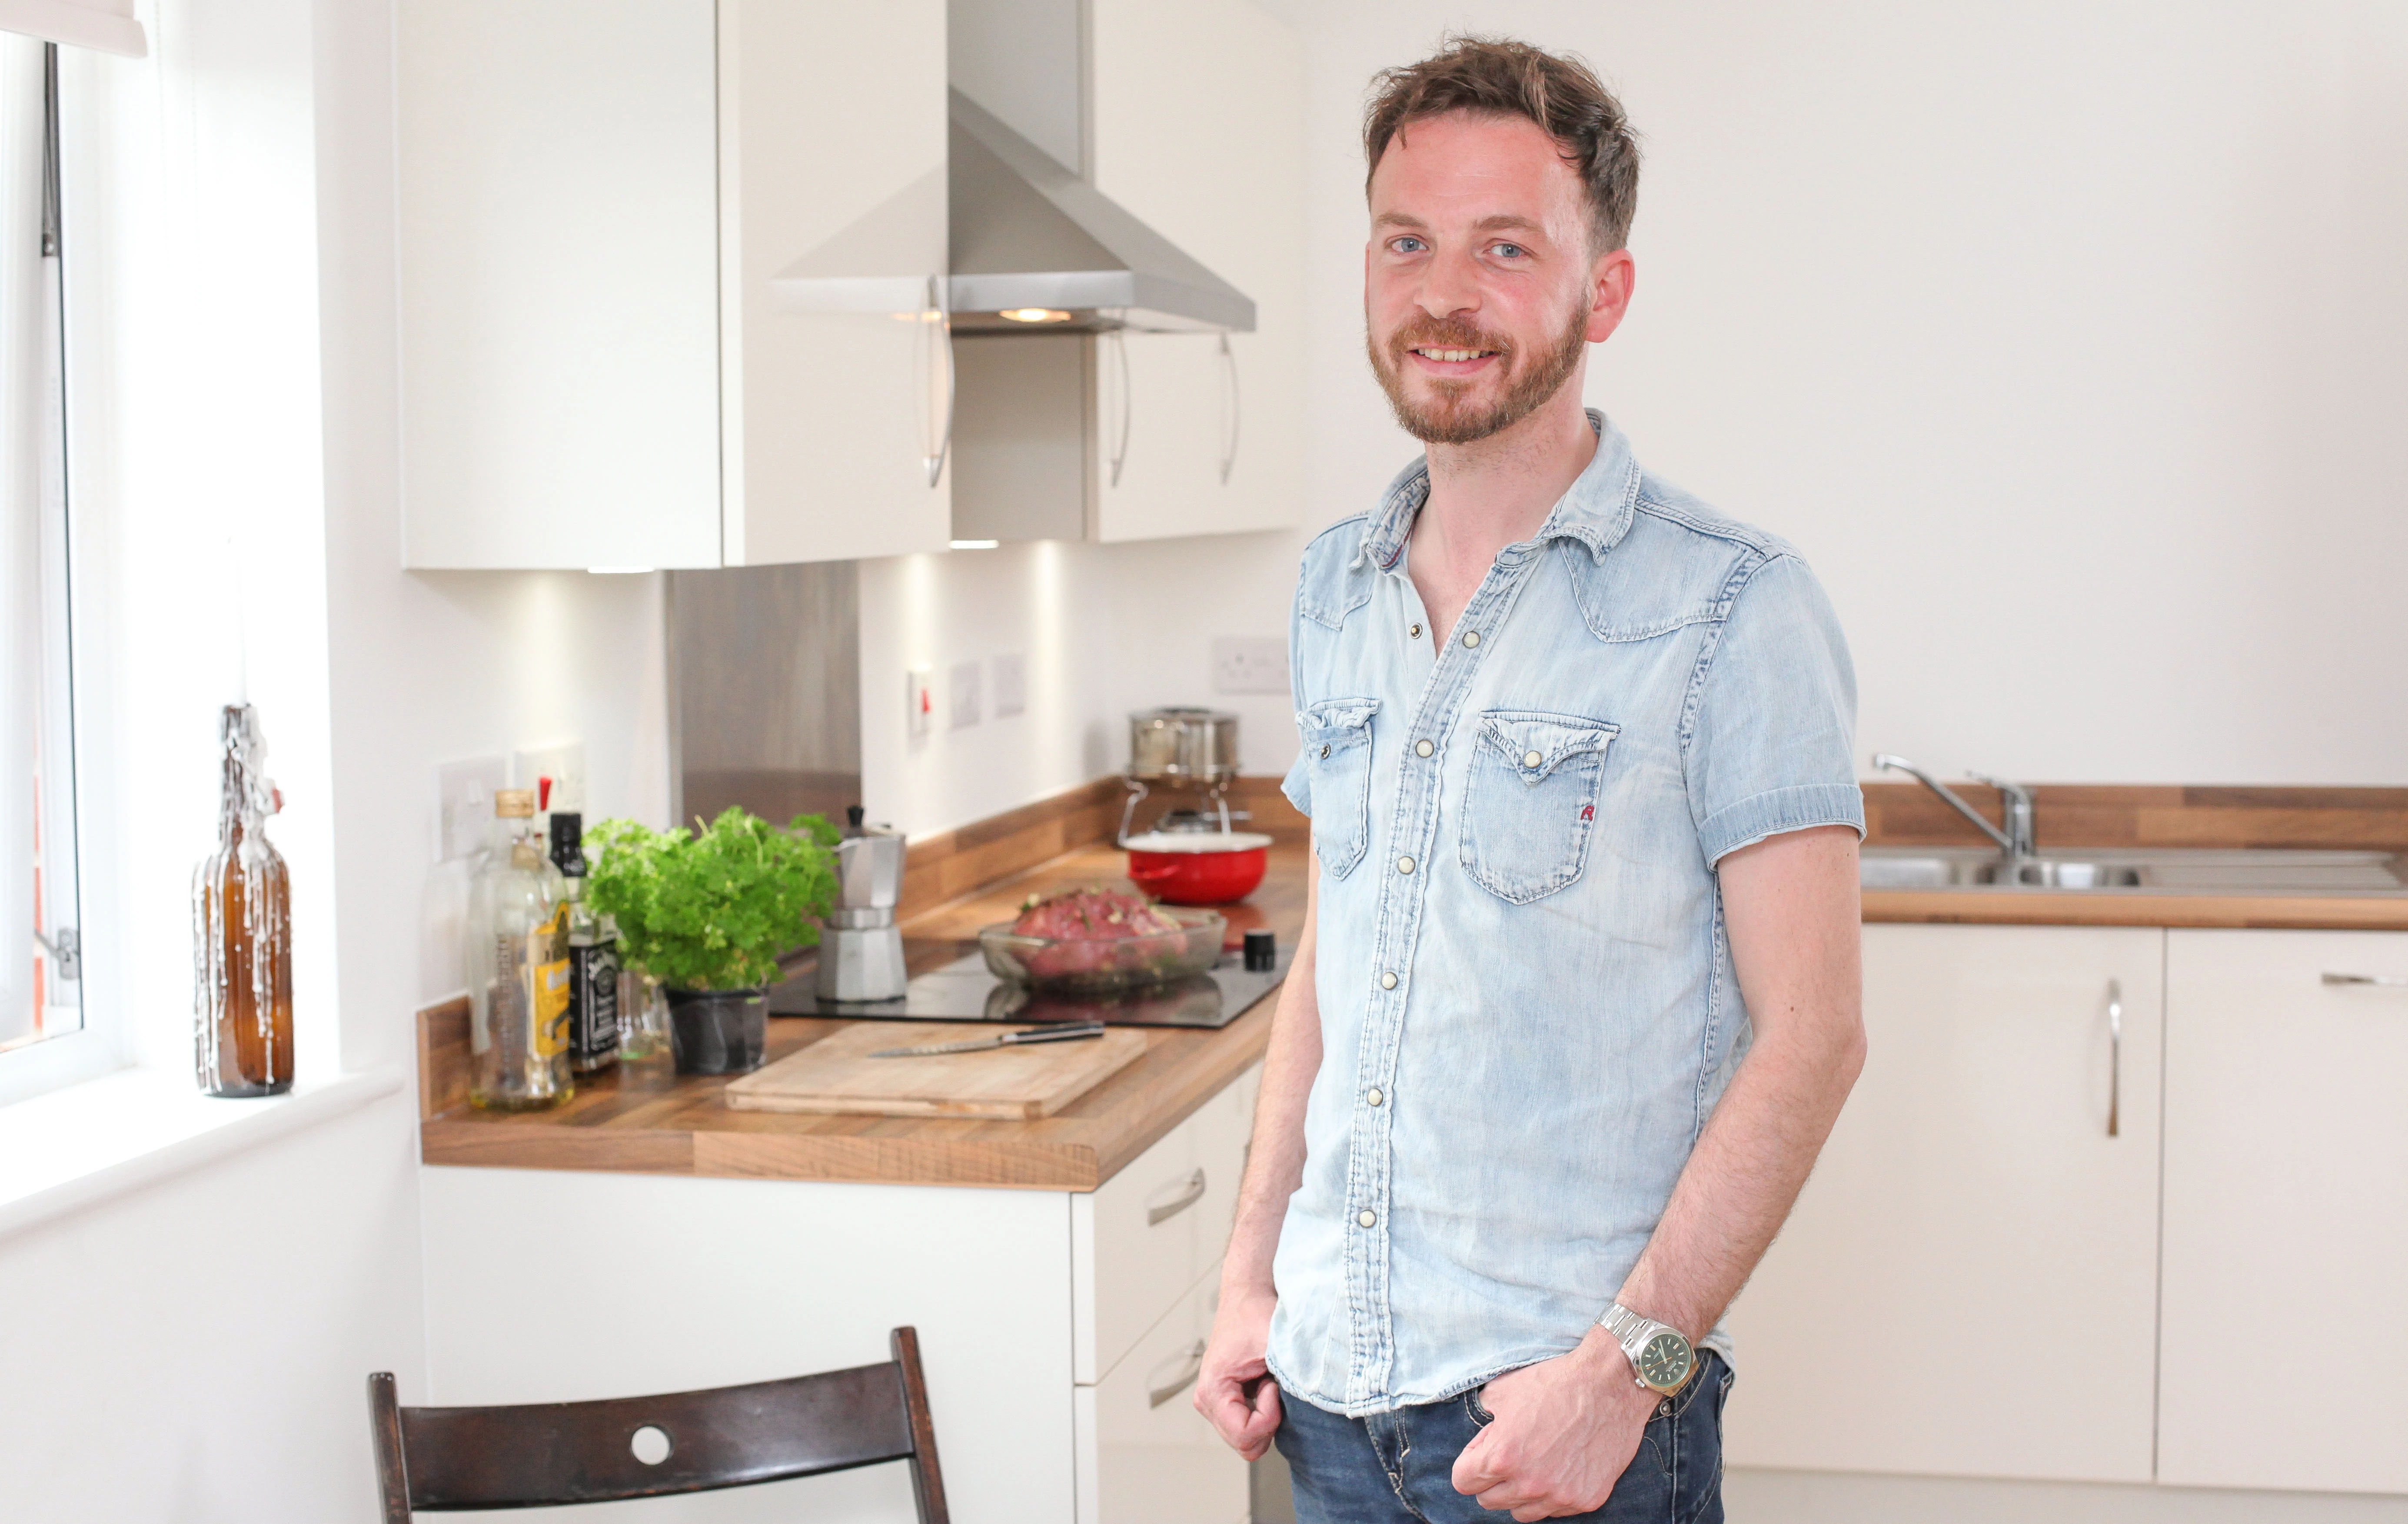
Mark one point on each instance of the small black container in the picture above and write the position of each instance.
(1261, 950)
(719, 1032)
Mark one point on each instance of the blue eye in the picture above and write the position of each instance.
(1407, 245)
(1509, 250)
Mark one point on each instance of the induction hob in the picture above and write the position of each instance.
(963, 990)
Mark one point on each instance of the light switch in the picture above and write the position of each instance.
(1010, 684)
(919, 702)
(463, 805)
(962, 691)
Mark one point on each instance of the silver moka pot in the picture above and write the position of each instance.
(861, 951)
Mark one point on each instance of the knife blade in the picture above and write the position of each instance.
(1067, 1031)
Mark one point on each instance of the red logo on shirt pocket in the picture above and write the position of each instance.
(1588, 812)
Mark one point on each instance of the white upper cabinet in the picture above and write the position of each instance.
(1974, 1229)
(1193, 126)
(1198, 130)
(599, 367)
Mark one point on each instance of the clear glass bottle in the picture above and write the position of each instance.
(517, 962)
(643, 1013)
(592, 956)
(242, 930)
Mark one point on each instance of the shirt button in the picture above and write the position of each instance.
(1422, 748)
(1325, 752)
(1368, 1219)
(1404, 865)
(1531, 759)
(1387, 981)
(1472, 637)
(1375, 1098)
(1415, 631)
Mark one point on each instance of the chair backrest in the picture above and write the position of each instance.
(438, 1459)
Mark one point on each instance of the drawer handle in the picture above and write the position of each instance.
(1193, 1368)
(1157, 1215)
(2389, 980)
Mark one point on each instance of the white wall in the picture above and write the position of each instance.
(2066, 339)
(1104, 629)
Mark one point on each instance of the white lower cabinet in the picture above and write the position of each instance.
(2285, 1346)
(556, 1285)
(1969, 1283)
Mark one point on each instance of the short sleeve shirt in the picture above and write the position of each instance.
(1527, 1004)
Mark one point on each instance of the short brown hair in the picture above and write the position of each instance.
(1505, 78)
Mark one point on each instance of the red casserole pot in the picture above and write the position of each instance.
(1197, 867)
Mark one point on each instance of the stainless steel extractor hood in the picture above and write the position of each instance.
(1037, 248)
(1034, 249)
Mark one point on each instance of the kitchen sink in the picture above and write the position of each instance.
(2246, 871)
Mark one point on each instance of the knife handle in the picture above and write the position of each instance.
(1067, 1031)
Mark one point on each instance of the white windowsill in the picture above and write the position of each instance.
(65, 1150)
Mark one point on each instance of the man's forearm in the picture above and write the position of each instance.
(1275, 1156)
(1792, 909)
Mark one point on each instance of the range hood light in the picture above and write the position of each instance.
(1036, 314)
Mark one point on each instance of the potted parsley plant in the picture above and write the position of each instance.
(707, 913)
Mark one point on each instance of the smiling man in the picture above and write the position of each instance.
(1576, 1004)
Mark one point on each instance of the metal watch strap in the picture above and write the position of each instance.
(1632, 1330)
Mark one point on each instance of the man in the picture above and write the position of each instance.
(1576, 1002)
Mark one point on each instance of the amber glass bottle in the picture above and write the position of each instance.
(242, 930)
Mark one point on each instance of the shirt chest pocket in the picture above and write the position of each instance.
(1531, 800)
(1336, 734)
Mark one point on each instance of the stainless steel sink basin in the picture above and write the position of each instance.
(2259, 872)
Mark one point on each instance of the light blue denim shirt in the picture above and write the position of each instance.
(1528, 1007)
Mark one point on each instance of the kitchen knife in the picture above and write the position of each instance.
(1067, 1031)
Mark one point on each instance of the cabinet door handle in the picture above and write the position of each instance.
(1157, 1215)
(1119, 338)
(1230, 372)
(1188, 1370)
(2388, 980)
(2114, 1053)
(940, 339)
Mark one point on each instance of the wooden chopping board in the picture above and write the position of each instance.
(1002, 1083)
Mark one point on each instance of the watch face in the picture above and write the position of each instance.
(1664, 1360)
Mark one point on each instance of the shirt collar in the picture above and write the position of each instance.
(1595, 510)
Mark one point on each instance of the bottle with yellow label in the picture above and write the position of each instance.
(518, 969)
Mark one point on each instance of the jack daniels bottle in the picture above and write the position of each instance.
(592, 956)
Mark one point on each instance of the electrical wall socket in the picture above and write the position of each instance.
(1249, 664)
(919, 702)
(962, 691)
(563, 763)
(463, 805)
(1010, 684)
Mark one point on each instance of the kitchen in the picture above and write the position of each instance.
(2003, 319)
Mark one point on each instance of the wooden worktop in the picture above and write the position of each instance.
(643, 1118)
(646, 1120)
(2126, 908)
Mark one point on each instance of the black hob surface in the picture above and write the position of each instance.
(963, 990)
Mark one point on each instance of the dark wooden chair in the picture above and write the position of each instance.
(441, 1458)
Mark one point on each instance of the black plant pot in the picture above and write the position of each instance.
(718, 1032)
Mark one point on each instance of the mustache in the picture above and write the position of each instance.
(1428, 333)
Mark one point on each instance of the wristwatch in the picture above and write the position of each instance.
(1660, 1356)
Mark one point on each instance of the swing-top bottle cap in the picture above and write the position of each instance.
(514, 804)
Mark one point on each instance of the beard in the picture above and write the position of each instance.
(1450, 417)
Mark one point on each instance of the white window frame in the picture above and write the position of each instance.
(34, 355)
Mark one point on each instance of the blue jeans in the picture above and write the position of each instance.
(1397, 1467)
